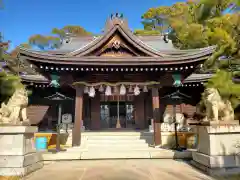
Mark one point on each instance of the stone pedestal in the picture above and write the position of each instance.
(66, 137)
(218, 149)
(18, 155)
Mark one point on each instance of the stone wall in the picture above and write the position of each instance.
(18, 155)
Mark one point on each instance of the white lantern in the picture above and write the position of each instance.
(101, 89)
(145, 89)
(108, 91)
(136, 91)
(130, 89)
(91, 92)
(122, 90)
(85, 90)
(115, 91)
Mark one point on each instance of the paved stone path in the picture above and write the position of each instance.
(118, 170)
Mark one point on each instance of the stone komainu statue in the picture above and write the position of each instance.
(217, 108)
(15, 111)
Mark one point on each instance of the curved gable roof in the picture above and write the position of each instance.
(126, 33)
(84, 55)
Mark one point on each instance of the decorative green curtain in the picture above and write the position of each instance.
(177, 80)
(55, 81)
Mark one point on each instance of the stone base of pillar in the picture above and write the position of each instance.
(18, 156)
(66, 137)
(216, 165)
(218, 149)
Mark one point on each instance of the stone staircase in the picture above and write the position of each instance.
(102, 145)
(116, 141)
(115, 145)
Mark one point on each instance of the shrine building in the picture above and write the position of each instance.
(115, 80)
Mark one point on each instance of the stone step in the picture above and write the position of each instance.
(84, 149)
(136, 154)
(115, 133)
(143, 153)
(117, 137)
(116, 146)
(117, 141)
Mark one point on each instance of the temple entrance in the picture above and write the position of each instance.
(116, 115)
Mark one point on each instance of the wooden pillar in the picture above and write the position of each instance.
(139, 109)
(76, 133)
(156, 117)
(95, 112)
(148, 107)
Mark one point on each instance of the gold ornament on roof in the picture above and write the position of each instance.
(116, 44)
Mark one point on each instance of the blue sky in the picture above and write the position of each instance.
(22, 18)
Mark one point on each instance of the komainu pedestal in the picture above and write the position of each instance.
(218, 149)
(18, 155)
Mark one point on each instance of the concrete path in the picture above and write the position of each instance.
(118, 170)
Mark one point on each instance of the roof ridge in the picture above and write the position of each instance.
(202, 51)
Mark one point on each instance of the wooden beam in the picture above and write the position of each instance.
(76, 134)
(156, 117)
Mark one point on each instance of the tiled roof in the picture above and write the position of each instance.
(197, 77)
(148, 50)
(74, 43)
(37, 78)
(155, 42)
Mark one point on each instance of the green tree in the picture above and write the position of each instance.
(193, 25)
(143, 32)
(198, 24)
(222, 81)
(208, 9)
(71, 29)
(235, 5)
(44, 42)
(54, 41)
(8, 84)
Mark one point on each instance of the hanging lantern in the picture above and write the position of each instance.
(91, 92)
(136, 91)
(177, 80)
(145, 89)
(130, 89)
(85, 90)
(122, 90)
(101, 89)
(108, 91)
(115, 91)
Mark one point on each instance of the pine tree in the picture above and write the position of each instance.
(228, 90)
(8, 84)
